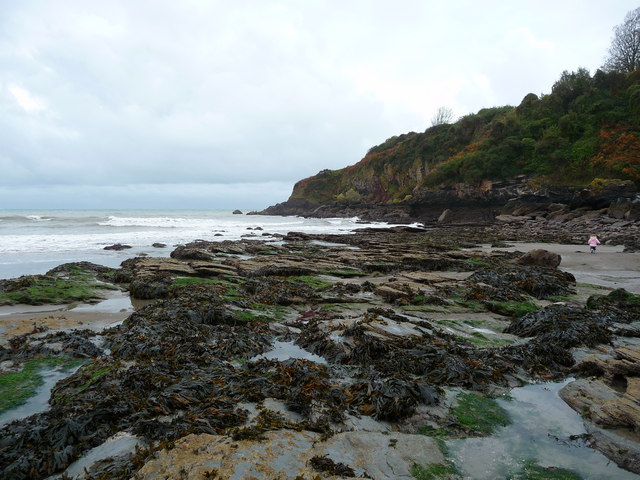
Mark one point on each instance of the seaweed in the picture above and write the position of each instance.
(538, 282)
(325, 464)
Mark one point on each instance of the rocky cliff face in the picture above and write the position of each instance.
(482, 203)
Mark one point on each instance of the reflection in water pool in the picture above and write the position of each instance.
(117, 301)
(120, 444)
(284, 350)
(541, 426)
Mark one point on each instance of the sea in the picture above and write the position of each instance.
(34, 241)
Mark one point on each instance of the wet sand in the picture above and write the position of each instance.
(20, 319)
(609, 267)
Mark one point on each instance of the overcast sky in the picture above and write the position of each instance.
(226, 104)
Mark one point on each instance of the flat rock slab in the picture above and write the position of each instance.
(617, 445)
(383, 456)
(587, 395)
(286, 454)
(159, 265)
(611, 408)
(430, 277)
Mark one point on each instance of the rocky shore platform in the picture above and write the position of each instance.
(331, 356)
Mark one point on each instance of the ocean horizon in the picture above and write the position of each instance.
(32, 241)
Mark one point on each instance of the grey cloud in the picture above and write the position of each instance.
(197, 92)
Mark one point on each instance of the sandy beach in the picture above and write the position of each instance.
(610, 267)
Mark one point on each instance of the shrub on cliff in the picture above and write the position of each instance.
(587, 127)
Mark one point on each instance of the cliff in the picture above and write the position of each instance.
(578, 145)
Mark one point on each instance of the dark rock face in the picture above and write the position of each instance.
(480, 204)
(237, 212)
(540, 258)
(369, 212)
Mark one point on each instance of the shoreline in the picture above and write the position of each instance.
(609, 268)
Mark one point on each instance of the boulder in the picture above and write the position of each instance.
(117, 246)
(619, 209)
(540, 258)
(633, 214)
(185, 252)
(237, 212)
(148, 288)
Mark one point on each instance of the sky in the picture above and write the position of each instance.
(220, 104)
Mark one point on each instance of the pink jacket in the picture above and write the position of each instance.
(593, 241)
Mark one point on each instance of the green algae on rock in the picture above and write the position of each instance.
(68, 283)
(17, 386)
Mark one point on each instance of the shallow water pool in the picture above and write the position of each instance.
(285, 350)
(40, 401)
(542, 424)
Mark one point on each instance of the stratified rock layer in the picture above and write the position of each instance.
(609, 400)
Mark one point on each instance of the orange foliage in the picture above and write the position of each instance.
(619, 152)
(471, 148)
(383, 155)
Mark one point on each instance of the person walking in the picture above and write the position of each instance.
(593, 242)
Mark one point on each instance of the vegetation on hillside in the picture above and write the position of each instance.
(588, 127)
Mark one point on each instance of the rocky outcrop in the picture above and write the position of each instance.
(497, 158)
(609, 400)
(518, 199)
(205, 250)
